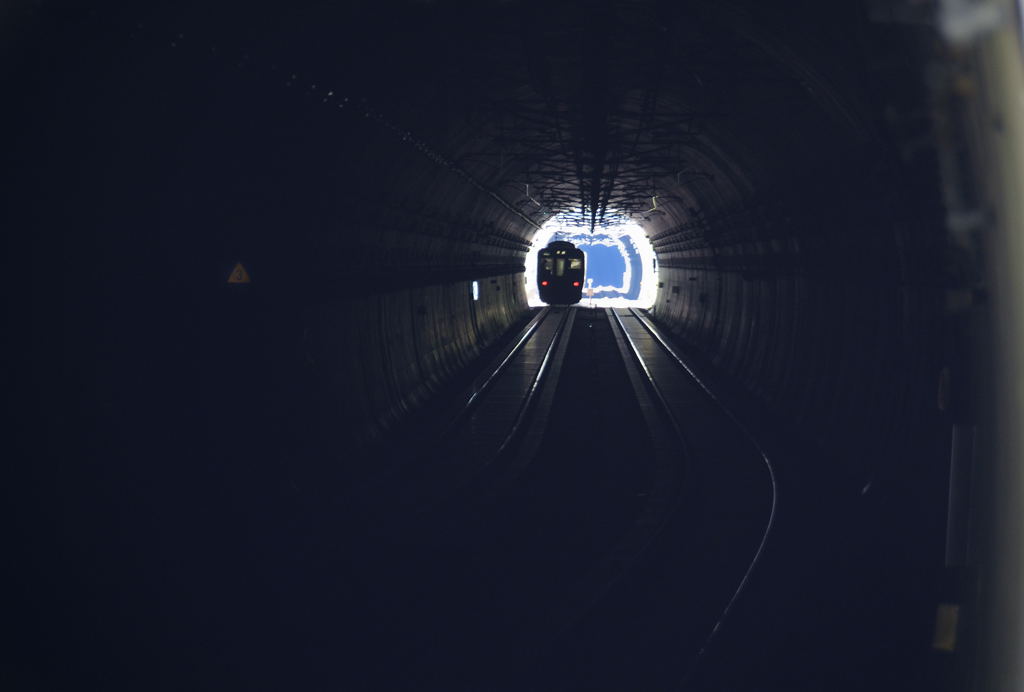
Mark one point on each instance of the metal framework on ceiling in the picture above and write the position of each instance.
(578, 137)
(614, 161)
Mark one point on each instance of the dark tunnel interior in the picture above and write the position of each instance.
(197, 449)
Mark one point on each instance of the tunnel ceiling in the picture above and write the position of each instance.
(666, 112)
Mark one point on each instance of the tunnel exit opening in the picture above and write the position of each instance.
(621, 269)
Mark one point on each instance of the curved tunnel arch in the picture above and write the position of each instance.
(803, 254)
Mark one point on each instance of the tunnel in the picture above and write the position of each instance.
(252, 247)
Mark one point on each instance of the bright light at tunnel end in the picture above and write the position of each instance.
(631, 254)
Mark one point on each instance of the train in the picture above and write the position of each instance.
(561, 267)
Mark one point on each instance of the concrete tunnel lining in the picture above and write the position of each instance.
(802, 249)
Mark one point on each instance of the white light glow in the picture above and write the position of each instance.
(617, 236)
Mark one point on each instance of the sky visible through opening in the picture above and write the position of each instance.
(620, 262)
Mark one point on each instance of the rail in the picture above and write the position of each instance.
(650, 379)
(761, 452)
(538, 381)
(478, 392)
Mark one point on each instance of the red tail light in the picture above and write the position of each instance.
(575, 283)
(543, 283)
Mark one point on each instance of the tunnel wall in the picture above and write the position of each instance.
(384, 356)
(809, 265)
(848, 362)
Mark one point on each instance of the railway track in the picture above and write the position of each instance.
(484, 426)
(587, 519)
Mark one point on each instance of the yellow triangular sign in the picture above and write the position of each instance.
(239, 275)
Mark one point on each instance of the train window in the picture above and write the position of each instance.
(576, 264)
(560, 266)
(549, 264)
(476, 290)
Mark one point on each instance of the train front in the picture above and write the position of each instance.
(560, 272)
